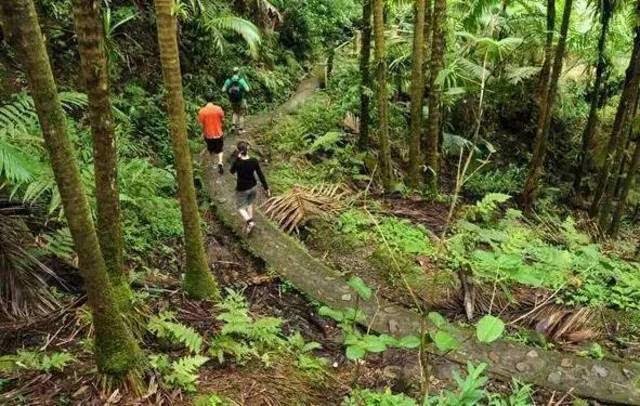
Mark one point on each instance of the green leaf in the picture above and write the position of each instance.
(360, 287)
(374, 344)
(409, 342)
(355, 352)
(489, 329)
(445, 341)
(337, 315)
(437, 319)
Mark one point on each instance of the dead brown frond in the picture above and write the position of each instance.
(23, 278)
(300, 204)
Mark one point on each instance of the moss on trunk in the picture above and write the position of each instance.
(198, 282)
(384, 154)
(417, 93)
(93, 62)
(116, 351)
(365, 74)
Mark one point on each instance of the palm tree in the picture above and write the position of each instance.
(544, 119)
(605, 10)
(93, 62)
(621, 122)
(634, 165)
(116, 351)
(365, 75)
(433, 121)
(383, 102)
(198, 281)
(417, 93)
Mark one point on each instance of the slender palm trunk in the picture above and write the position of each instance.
(544, 121)
(365, 74)
(621, 121)
(432, 153)
(417, 92)
(545, 72)
(383, 100)
(592, 121)
(198, 281)
(634, 165)
(93, 62)
(115, 348)
(617, 171)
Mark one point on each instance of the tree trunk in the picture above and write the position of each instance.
(365, 74)
(623, 113)
(624, 194)
(544, 120)
(115, 348)
(432, 153)
(383, 100)
(545, 72)
(617, 171)
(592, 122)
(198, 281)
(93, 62)
(417, 92)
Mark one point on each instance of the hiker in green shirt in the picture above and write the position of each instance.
(236, 88)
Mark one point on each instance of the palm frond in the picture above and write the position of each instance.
(21, 113)
(300, 204)
(217, 25)
(23, 278)
(16, 166)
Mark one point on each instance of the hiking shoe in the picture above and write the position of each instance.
(250, 225)
(220, 169)
(241, 130)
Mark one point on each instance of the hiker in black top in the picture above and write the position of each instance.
(246, 168)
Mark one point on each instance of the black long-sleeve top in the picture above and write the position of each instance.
(246, 168)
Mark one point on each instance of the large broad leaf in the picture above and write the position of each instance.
(337, 315)
(360, 287)
(355, 352)
(445, 341)
(437, 320)
(489, 329)
(374, 344)
(409, 342)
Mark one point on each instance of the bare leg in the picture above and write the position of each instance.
(250, 211)
(220, 158)
(235, 119)
(244, 213)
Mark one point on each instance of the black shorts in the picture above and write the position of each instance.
(215, 145)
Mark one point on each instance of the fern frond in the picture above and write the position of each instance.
(216, 24)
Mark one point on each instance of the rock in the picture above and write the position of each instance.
(392, 372)
(393, 326)
(532, 354)
(346, 297)
(522, 366)
(493, 356)
(555, 378)
(566, 363)
(599, 371)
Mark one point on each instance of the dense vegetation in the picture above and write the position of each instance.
(473, 161)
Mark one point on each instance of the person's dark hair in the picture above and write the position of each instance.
(243, 147)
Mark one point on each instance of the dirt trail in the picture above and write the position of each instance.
(608, 381)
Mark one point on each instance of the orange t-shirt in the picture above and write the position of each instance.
(211, 117)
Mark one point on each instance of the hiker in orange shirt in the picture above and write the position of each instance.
(211, 117)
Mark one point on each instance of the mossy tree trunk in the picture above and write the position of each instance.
(384, 152)
(365, 74)
(417, 92)
(621, 121)
(93, 62)
(432, 140)
(116, 351)
(545, 72)
(596, 91)
(198, 282)
(634, 165)
(534, 171)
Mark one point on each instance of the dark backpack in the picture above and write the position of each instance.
(235, 91)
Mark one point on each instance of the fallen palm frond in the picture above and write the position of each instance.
(301, 203)
(23, 278)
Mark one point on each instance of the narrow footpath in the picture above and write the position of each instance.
(604, 380)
